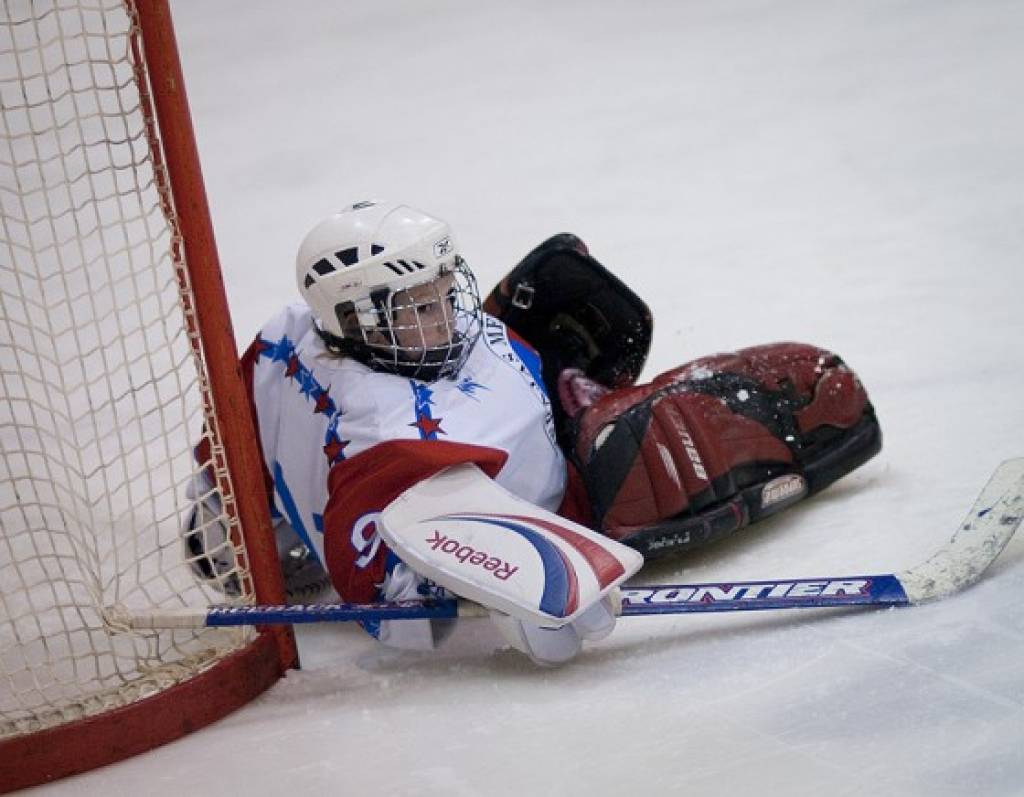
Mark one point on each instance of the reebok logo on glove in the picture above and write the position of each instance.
(467, 554)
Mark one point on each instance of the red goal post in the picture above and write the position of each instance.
(117, 357)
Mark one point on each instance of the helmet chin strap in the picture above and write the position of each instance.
(432, 365)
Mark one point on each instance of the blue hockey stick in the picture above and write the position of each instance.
(981, 537)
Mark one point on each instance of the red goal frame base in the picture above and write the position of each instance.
(76, 747)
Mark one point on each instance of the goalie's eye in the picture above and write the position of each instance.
(428, 306)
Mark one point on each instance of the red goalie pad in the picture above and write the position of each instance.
(723, 440)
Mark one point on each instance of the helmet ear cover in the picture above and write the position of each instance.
(345, 312)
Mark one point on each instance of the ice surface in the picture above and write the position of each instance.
(847, 174)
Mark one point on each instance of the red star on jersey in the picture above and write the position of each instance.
(293, 366)
(263, 346)
(323, 401)
(335, 448)
(428, 426)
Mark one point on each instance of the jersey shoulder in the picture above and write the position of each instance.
(293, 321)
(503, 343)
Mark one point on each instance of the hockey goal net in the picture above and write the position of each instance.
(116, 360)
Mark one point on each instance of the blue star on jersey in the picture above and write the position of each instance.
(429, 427)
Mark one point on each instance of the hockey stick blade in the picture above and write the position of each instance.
(981, 537)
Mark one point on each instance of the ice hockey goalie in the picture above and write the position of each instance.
(391, 373)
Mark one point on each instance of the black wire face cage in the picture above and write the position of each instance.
(425, 332)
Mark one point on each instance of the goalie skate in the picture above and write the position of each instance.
(209, 553)
(215, 563)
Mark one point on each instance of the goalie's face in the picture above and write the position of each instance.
(424, 316)
(426, 331)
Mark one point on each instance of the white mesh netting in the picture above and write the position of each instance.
(102, 388)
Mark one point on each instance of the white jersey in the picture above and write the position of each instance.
(315, 409)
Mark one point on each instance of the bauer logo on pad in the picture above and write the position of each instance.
(787, 488)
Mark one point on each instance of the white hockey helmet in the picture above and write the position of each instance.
(369, 273)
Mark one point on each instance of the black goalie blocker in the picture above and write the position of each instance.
(577, 314)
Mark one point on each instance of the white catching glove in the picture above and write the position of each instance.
(531, 568)
(550, 647)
